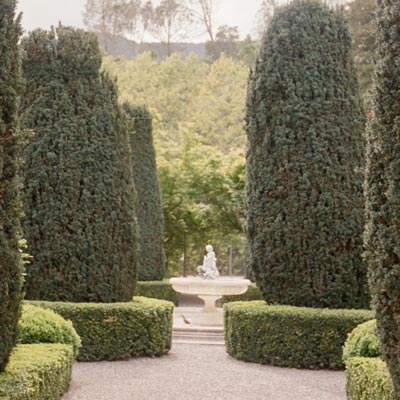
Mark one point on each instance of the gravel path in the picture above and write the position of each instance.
(193, 372)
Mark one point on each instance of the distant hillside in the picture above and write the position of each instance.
(118, 46)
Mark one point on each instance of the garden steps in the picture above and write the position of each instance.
(187, 333)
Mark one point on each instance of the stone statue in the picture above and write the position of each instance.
(209, 268)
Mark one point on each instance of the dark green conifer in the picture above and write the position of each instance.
(10, 261)
(305, 161)
(151, 258)
(78, 188)
(382, 188)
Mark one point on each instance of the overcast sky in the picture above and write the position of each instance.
(44, 13)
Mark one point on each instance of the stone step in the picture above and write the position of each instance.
(200, 343)
(198, 339)
(184, 333)
(198, 335)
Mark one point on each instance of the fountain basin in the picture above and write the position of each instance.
(209, 290)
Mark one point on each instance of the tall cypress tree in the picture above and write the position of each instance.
(10, 262)
(151, 258)
(78, 188)
(382, 189)
(305, 160)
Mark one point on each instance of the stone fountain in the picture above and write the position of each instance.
(209, 287)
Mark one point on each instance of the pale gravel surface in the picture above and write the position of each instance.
(196, 372)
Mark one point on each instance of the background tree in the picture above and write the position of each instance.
(203, 11)
(104, 18)
(170, 22)
(78, 187)
(10, 268)
(264, 16)
(361, 17)
(383, 188)
(111, 18)
(305, 160)
(151, 257)
(226, 41)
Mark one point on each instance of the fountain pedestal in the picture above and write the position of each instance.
(209, 290)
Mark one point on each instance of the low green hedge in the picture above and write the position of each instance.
(368, 379)
(289, 336)
(142, 327)
(253, 293)
(363, 341)
(38, 325)
(161, 290)
(37, 372)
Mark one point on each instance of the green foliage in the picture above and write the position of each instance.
(289, 336)
(38, 325)
(161, 290)
(305, 160)
(142, 327)
(382, 189)
(363, 341)
(151, 257)
(202, 196)
(253, 293)
(10, 260)
(368, 379)
(78, 187)
(198, 110)
(37, 372)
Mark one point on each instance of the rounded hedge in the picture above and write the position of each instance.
(112, 331)
(363, 341)
(38, 325)
(289, 336)
(368, 379)
(37, 372)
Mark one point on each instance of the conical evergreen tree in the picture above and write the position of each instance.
(151, 257)
(382, 189)
(78, 188)
(10, 262)
(305, 161)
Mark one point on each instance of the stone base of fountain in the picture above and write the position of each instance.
(209, 290)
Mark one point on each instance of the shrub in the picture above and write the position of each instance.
(289, 336)
(368, 379)
(363, 341)
(253, 293)
(142, 327)
(10, 260)
(161, 290)
(305, 158)
(78, 191)
(151, 257)
(382, 233)
(37, 372)
(38, 325)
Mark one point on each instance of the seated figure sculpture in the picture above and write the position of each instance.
(209, 268)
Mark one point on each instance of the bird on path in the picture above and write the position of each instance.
(186, 320)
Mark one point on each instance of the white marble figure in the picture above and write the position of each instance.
(209, 268)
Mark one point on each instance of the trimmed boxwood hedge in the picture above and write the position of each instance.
(253, 293)
(38, 325)
(112, 331)
(289, 336)
(368, 379)
(363, 341)
(37, 372)
(161, 290)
